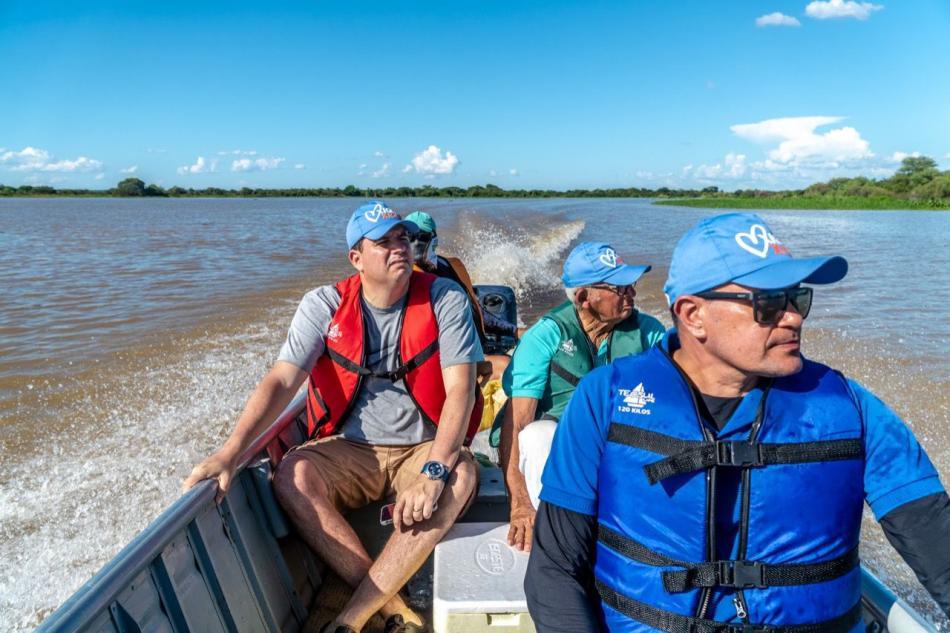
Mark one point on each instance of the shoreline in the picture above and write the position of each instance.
(792, 203)
(804, 203)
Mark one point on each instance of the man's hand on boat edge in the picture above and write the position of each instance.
(270, 397)
(220, 466)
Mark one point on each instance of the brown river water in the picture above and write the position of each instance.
(132, 331)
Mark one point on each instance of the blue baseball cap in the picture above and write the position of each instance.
(740, 248)
(373, 220)
(597, 262)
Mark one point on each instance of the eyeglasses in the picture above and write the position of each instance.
(768, 306)
(617, 290)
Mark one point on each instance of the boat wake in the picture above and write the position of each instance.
(114, 457)
(522, 257)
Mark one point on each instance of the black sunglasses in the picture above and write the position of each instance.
(768, 306)
(618, 290)
(421, 236)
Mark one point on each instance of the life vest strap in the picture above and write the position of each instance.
(565, 374)
(686, 456)
(397, 374)
(739, 574)
(676, 623)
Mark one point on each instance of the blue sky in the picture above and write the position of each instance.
(766, 93)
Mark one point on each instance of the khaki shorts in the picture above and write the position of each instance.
(358, 474)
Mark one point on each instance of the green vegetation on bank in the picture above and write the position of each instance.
(917, 184)
(134, 187)
(804, 202)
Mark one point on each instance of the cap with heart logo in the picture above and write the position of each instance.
(373, 220)
(741, 248)
(597, 262)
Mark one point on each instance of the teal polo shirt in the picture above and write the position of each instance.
(527, 374)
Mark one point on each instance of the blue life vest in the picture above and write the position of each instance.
(751, 528)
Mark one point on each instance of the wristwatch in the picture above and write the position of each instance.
(436, 470)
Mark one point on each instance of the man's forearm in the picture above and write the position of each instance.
(268, 400)
(518, 414)
(559, 583)
(456, 413)
(920, 532)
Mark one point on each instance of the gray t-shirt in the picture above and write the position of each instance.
(383, 413)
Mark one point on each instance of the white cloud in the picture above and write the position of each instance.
(898, 157)
(382, 172)
(733, 166)
(35, 159)
(799, 143)
(130, 170)
(100, 175)
(432, 162)
(379, 154)
(238, 152)
(512, 172)
(776, 19)
(841, 9)
(491, 172)
(200, 167)
(796, 151)
(257, 164)
(300, 166)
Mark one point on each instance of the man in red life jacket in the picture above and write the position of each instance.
(390, 356)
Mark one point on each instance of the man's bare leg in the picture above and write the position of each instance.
(406, 550)
(303, 494)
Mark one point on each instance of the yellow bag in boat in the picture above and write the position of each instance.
(494, 397)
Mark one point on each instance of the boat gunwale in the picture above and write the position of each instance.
(100, 591)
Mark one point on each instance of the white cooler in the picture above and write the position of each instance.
(478, 582)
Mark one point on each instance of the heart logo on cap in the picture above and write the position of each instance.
(608, 257)
(375, 213)
(750, 241)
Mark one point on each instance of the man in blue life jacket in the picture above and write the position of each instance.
(597, 324)
(716, 483)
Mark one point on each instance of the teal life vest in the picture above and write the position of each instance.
(786, 474)
(576, 355)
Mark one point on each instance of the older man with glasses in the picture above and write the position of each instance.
(716, 483)
(597, 324)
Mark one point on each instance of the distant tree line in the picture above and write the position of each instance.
(916, 180)
(135, 187)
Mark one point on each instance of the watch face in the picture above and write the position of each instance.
(435, 470)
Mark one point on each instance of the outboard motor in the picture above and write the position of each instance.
(498, 301)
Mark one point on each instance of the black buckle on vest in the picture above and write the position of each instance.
(741, 574)
(731, 453)
(748, 628)
(394, 376)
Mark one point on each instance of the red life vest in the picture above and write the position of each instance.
(338, 374)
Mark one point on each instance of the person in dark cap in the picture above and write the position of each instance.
(716, 483)
(389, 355)
(425, 241)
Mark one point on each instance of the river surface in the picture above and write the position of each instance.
(132, 332)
